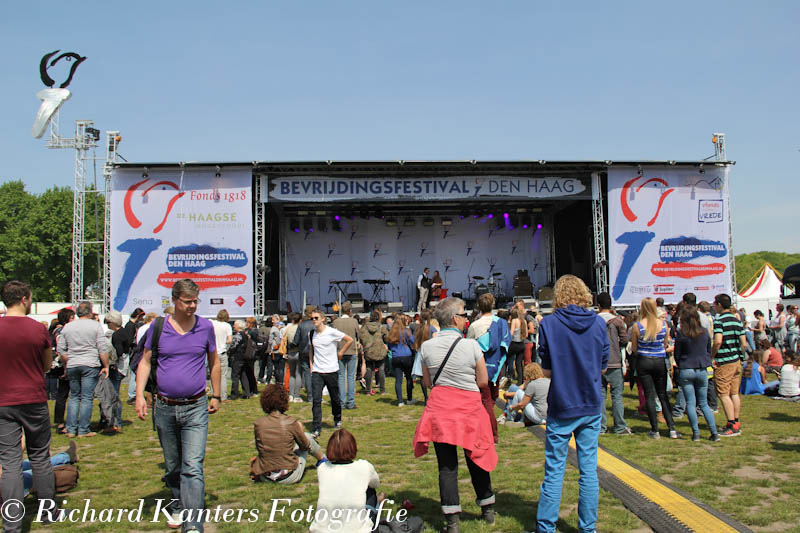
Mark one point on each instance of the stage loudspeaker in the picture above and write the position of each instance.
(393, 307)
(271, 307)
(358, 305)
(352, 296)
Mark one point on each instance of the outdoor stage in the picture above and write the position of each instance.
(266, 237)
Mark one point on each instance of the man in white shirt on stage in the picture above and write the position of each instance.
(423, 288)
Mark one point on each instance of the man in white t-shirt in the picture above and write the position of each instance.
(223, 334)
(323, 357)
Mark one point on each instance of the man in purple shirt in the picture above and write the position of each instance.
(181, 407)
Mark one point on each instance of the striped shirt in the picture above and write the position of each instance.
(731, 329)
(655, 347)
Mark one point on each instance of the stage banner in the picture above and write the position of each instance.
(668, 233)
(169, 224)
(469, 253)
(328, 189)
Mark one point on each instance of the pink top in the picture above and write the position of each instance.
(457, 416)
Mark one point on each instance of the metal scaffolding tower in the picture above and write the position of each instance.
(112, 143)
(86, 137)
(261, 255)
(600, 260)
(85, 140)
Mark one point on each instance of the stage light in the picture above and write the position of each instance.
(538, 226)
(427, 221)
(524, 226)
(336, 218)
(490, 215)
(526, 221)
(391, 221)
(505, 215)
(409, 222)
(295, 225)
(475, 216)
(447, 221)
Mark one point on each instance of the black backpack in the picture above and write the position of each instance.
(136, 358)
(250, 347)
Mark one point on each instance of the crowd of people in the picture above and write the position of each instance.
(475, 370)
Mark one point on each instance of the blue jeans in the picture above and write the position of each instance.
(680, 403)
(750, 340)
(529, 410)
(116, 380)
(347, 380)
(559, 431)
(694, 384)
(614, 378)
(182, 431)
(131, 385)
(27, 469)
(306, 371)
(82, 381)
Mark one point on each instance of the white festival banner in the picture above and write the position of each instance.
(168, 224)
(668, 233)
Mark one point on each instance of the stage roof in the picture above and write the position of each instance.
(264, 167)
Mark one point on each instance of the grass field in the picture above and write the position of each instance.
(754, 477)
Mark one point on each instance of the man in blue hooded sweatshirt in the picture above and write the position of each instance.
(574, 348)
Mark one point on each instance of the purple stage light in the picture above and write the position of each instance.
(490, 216)
(336, 217)
(505, 215)
(475, 216)
(311, 230)
(538, 226)
(297, 230)
(524, 226)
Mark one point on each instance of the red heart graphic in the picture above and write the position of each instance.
(626, 210)
(132, 219)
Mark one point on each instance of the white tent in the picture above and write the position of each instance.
(763, 293)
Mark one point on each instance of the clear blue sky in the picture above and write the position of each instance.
(238, 81)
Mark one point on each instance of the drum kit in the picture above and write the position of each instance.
(493, 285)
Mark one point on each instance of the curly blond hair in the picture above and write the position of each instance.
(571, 289)
(532, 371)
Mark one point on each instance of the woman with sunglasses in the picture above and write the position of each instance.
(453, 368)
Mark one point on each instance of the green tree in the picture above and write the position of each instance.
(36, 240)
(748, 265)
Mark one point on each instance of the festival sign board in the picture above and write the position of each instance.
(668, 233)
(330, 189)
(171, 224)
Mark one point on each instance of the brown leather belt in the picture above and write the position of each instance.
(180, 401)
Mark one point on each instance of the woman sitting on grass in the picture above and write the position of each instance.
(346, 488)
(753, 375)
(281, 443)
(790, 375)
(530, 400)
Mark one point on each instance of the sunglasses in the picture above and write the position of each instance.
(316, 318)
(462, 315)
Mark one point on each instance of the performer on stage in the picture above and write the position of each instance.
(423, 289)
(436, 287)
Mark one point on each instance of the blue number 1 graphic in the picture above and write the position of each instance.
(635, 242)
(139, 250)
